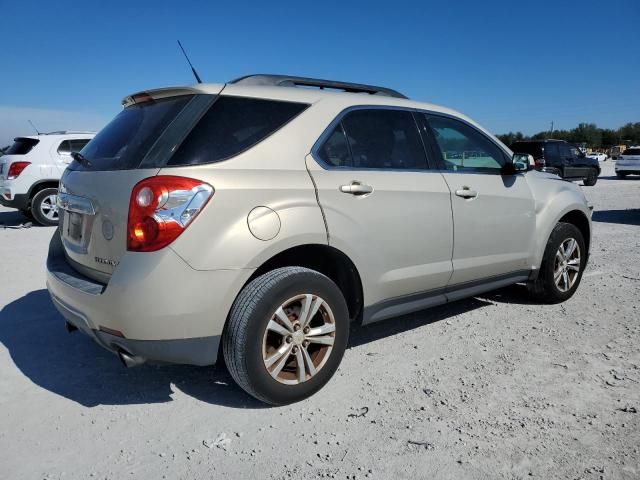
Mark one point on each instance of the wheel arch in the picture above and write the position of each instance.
(41, 185)
(581, 222)
(327, 260)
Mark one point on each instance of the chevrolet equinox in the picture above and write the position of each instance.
(258, 218)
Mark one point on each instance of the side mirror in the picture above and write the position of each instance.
(523, 162)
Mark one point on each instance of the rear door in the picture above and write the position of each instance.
(494, 214)
(385, 208)
(61, 153)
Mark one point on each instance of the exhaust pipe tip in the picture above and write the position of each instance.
(129, 360)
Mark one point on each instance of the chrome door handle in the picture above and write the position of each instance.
(466, 192)
(356, 188)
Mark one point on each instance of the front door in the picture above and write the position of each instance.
(385, 208)
(493, 214)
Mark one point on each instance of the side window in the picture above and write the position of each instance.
(381, 138)
(464, 148)
(575, 153)
(334, 150)
(551, 151)
(231, 126)
(77, 145)
(565, 151)
(64, 148)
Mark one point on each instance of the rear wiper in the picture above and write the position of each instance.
(81, 159)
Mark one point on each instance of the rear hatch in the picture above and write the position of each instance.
(16, 153)
(631, 155)
(96, 188)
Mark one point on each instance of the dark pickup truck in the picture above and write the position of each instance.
(561, 158)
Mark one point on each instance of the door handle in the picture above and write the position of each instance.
(356, 188)
(466, 192)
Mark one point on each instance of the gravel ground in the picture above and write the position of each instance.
(490, 387)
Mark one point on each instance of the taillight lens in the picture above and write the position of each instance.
(161, 208)
(540, 163)
(16, 169)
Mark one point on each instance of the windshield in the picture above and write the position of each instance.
(125, 141)
(22, 146)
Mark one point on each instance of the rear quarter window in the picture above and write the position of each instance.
(231, 126)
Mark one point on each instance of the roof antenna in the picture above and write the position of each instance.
(34, 127)
(195, 74)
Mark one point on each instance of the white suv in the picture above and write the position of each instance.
(259, 219)
(628, 162)
(31, 169)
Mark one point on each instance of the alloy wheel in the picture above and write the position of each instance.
(49, 207)
(567, 264)
(298, 339)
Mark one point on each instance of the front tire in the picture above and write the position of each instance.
(286, 334)
(44, 208)
(563, 263)
(591, 179)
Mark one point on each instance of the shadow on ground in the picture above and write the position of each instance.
(14, 219)
(615, 177)
(624, 217)
(73, 366)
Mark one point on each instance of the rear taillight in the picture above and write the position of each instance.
(16, 169)
(161, 208)
(540, 163)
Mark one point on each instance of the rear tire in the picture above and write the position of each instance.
(43, 207)
(558, 278)
(279, 365)
(591, 179)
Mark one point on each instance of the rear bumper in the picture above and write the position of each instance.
(19, 201)
(163, 309)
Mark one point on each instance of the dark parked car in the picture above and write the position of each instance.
(561, 158)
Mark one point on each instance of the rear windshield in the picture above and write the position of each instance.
(125, 141)
(531, 148)
(631, 151)
(22, 146)
(231, 126)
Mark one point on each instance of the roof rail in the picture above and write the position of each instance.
(289, 81)
(68, 132)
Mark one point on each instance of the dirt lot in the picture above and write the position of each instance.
(491, 387)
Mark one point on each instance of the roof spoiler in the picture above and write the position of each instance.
(156, 94)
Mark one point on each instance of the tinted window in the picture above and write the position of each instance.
(335, 150)
(125, 141)
(64, 148)
(531, 148)
(22, 146)
(384, 139)
(77, 145)
(565, 150)
(551, 151)
(631, 151)
(232, 125)
(465, 148)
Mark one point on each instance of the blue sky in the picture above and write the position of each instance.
(509, 65)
